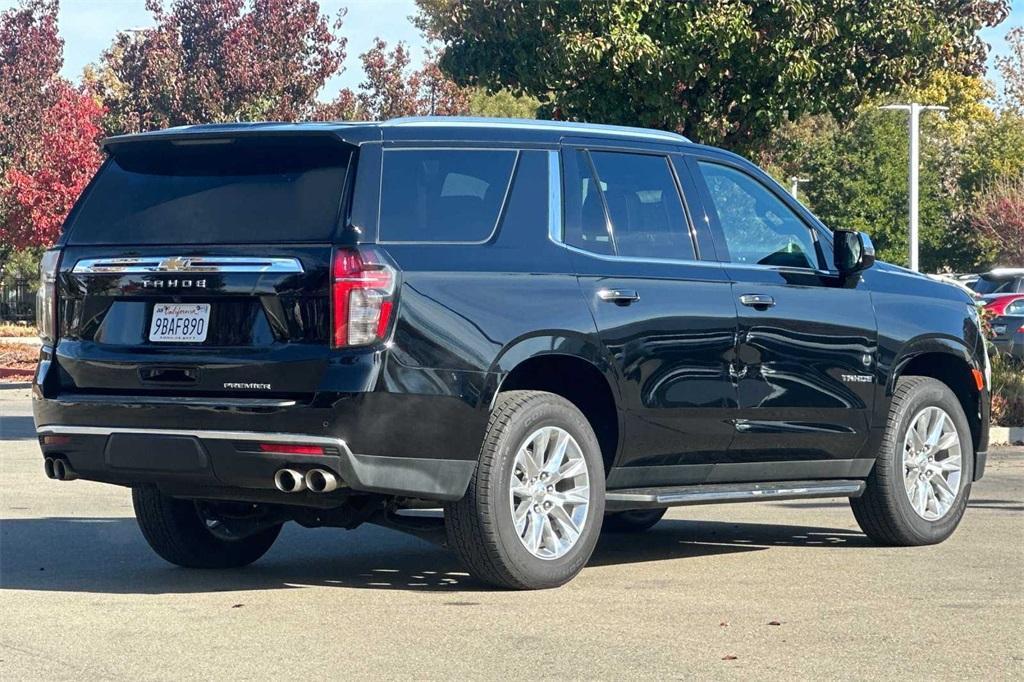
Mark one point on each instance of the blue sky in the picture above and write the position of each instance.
(89, 26)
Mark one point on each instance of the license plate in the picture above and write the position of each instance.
(180, 322)
(999, 329)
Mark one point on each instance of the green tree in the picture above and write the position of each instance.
(721, 72)
(502, 104)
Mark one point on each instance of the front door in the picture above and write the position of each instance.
(667, 319)
(806, 345)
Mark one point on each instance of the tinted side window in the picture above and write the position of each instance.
(585, 224)
(758, 227)
(1015, 308)
(443, 195)
(646, 212)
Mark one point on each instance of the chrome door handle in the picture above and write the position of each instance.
(618, 296)
(757, 300)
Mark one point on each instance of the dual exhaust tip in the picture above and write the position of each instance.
(58, 469)
(314, 480)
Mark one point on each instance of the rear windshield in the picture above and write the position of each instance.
(231, 191)
(985, 286)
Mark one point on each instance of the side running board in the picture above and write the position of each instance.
(675, 496)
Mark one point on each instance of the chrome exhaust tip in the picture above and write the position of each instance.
(321, 481)
(62, 471)
(289, 481)
(48, 468)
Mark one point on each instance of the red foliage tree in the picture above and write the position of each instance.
(38, 198)
(48, 130)
(999, 215)
(30, 56)
(219, 60)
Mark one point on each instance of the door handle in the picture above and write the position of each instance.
(618, 296)
(759, 301)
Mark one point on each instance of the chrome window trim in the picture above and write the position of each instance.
(59, 429)
(186, 264)
(556, 229)
(429, 242)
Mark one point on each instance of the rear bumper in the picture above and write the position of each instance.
(218, 464)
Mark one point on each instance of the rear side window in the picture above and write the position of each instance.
(586, 226)
(228, 192)
(644, 208)
(1015, 308)
(443, 195)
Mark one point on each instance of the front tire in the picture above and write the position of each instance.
(532, 513)
(179, 534)
(918, 490)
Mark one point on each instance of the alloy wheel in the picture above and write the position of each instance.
(549, 492)
(932, 462)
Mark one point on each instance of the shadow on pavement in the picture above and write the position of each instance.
(17, 428)
(108, 555)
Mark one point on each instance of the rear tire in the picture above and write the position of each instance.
(492, 527)
(176, 531)
(902, 479)
(632, 521)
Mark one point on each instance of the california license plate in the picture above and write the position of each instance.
(180, 322)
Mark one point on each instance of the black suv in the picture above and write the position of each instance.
(545, 328)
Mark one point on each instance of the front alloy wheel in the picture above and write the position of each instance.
(918, 488)
(932, 462)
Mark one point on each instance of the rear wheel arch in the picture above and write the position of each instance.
(579, 381)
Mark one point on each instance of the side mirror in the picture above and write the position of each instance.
(853, 251)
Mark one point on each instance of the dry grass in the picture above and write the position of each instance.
(19, 329)
(18, 355)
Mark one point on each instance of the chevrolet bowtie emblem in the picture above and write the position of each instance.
(174, 264)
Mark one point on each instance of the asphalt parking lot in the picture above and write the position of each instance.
(786, 589)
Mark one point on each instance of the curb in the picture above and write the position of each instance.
(16, 372)
(1006, 435)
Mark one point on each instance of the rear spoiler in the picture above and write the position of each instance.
(350, 134)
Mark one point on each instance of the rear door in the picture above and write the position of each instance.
(807, 342)
(202, 266)
(666, 318)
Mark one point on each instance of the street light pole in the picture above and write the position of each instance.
(794, 185)
(915, 110)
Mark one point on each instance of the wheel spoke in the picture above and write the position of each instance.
(573, 497)
(568, 528)
(942, 485)
(910, 480)
(947, 441)
(951, 463)
(535, 532)
(921, 499)
(574, 468)
(935, 430)
(554, 462)
(520, 515)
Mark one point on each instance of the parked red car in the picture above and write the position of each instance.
(997, 304)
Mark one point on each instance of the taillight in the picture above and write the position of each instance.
(362, 297)
(46, 296)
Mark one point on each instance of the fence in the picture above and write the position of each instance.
(17, 301)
